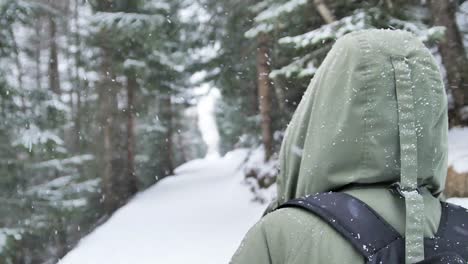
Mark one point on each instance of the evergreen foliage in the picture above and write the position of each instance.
(98, 98)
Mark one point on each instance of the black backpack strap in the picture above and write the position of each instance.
(454, 222)
(452, 235)
(444, 258)
(369, 234)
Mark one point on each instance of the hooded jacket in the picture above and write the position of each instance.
(346, 136)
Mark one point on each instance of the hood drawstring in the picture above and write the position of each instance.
(414, 232)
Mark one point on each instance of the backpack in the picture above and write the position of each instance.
(377, 240)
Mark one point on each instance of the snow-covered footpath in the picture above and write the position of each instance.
(198, 216)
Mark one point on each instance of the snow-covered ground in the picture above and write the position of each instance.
(198, 216)
(458, 149)
(460, 201)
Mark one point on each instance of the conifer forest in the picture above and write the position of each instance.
(102, 99)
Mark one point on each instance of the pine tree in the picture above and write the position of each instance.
(454, 59)
(58, 169)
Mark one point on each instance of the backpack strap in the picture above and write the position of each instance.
(452, 235)
(451, 258)
(359, 224)
(454, 222)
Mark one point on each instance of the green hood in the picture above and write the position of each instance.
(345, 130)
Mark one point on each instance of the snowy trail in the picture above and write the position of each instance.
(198, 216)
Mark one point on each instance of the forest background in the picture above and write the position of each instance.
(98, 98)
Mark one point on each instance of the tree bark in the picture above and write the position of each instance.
(324, 11)
(166, 104)
(54, 80)
(19, 67)
(106, 96)
(280, 97)
(61, 238)
(78, 86)
(132, 85)
(181, 148)
(264, 92)
(37, 53)
(453, 58)
(110, 148)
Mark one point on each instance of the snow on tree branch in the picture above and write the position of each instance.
(262, 27)
(424, 32)
(331, 31)
(263, 21)
(167, 61)
(156, 5)
(126, 21)
(303, 67)
(277, 10)
(33, 136)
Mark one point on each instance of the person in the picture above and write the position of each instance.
(371, 126)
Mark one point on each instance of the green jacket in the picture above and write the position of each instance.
(346, 135)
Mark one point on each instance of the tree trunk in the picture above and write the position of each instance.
(132, 85)
(106, 96)
(78, 86)
(264, 92)
(107, 180)
(181, 148)
(37, 53)
(77, 122)
(324, 11)
(280, 97)
(61, 238)
(112, 152)
(19, 67)
(453, 58)
(166, 105)
(54, 81)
